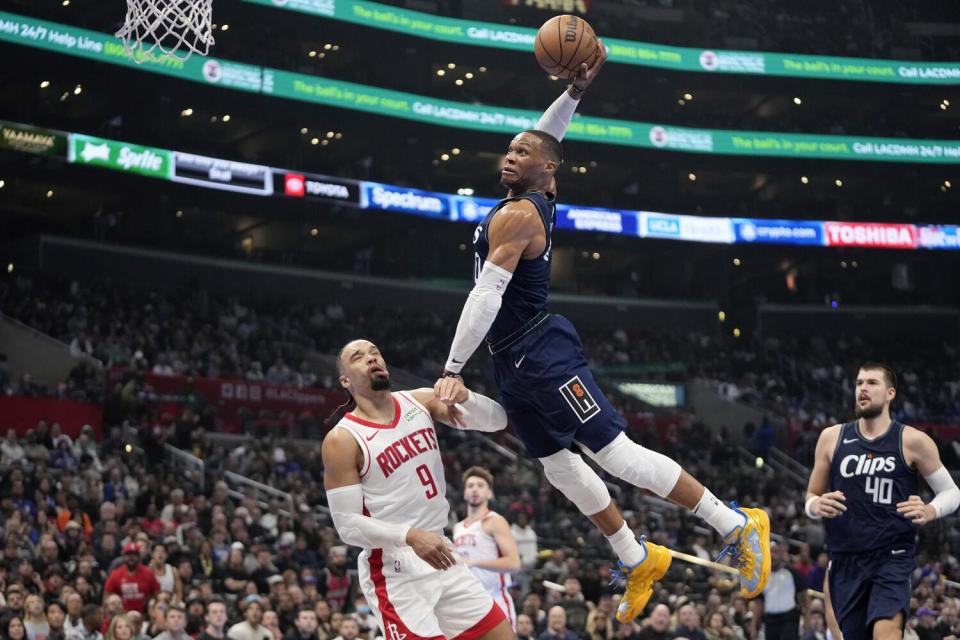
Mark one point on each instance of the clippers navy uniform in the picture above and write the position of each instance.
(872, 547)
(547, 389)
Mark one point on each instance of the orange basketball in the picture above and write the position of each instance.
(563, 43)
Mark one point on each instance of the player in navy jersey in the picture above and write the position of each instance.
(550, 396)
(865, 482)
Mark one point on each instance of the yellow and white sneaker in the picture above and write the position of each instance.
(639, 580)
(749, 544)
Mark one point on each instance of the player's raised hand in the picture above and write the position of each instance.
(914, 509)
(830, 505)
(587, 73)
(431, 548)
(450, 390)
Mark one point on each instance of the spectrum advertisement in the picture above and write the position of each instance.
(217, 173)
(397, 104)
(511, 37)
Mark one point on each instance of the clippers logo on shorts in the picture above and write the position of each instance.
(579, 399)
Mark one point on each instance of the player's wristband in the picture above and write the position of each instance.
(450, 374)
(808, 508)
(576, 91)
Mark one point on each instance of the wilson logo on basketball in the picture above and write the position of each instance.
(571, 34)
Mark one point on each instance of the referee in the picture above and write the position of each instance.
(783, 598)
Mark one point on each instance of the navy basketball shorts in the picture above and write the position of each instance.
(866, 587)
(550, 395)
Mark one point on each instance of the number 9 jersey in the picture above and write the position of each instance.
(873, 477)
(402, 472)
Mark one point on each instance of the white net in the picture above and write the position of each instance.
(159, 28)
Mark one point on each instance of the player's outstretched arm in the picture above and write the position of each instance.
(512, 231)
(820, 503)
(920, 450)
(509, 560)
(556, 119)
(451, 403)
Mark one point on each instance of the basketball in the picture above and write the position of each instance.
(563, 43)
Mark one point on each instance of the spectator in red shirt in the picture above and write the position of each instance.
(135, 583)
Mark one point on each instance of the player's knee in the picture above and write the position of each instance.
(577, 481)
(638, 465)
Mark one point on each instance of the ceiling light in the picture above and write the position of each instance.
(9, 267)
(450, 65)
(483, 69)
(596, 256)
(327, 47)
(330, 134)
(226, 117)
(943, 107)
(468, 76)
(574, 168)
(736, 262)
(49, 193)
(947, 184)
(946, 102)
(722, 316)
(338, 136)
(315, 141)
(336, 47)
(456, 151)
(213, 118)
(736, 332)
(804, 179)
(312, 54)
(458, 82)
(44, 84)
(797, 100)
(445, 157)
(688, 96)
(681, 102)
(314, 232)
(187, 112)
(465, 191)
(303, 130)
(692, 177)
(3, 183)
(77, 90)
(441, 72)
(838, 182)
(583, 169)
(63, 98)
(65, 3)
(324, 142)
(321, 55)
(179, 213)
(225, 27)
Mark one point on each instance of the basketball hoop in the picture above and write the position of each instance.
(178, 28)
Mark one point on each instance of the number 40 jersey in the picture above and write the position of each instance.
(873, 477)
(402, 472)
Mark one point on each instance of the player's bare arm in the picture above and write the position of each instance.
(820, 502)
(342, 461)
(920, 452)
(516, 232)
(509, 560)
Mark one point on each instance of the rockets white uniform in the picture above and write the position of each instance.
(473, 543)
(403, 483)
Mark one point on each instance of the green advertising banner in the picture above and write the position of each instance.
(398, 104)
(120, 156)
(28, 139)
(505, 36)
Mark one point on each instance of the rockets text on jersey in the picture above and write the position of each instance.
(402, 472)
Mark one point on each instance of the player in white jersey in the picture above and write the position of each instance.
(484, 541)
(387, 494)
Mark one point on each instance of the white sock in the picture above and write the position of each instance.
(627, 547)
(718, 515)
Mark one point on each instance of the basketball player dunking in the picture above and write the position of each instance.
(545, 385)
(387, 494)
(865, 482)
(484, 541)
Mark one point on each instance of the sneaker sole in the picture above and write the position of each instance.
(762, 519)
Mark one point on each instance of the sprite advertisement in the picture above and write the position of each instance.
(385, 102)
